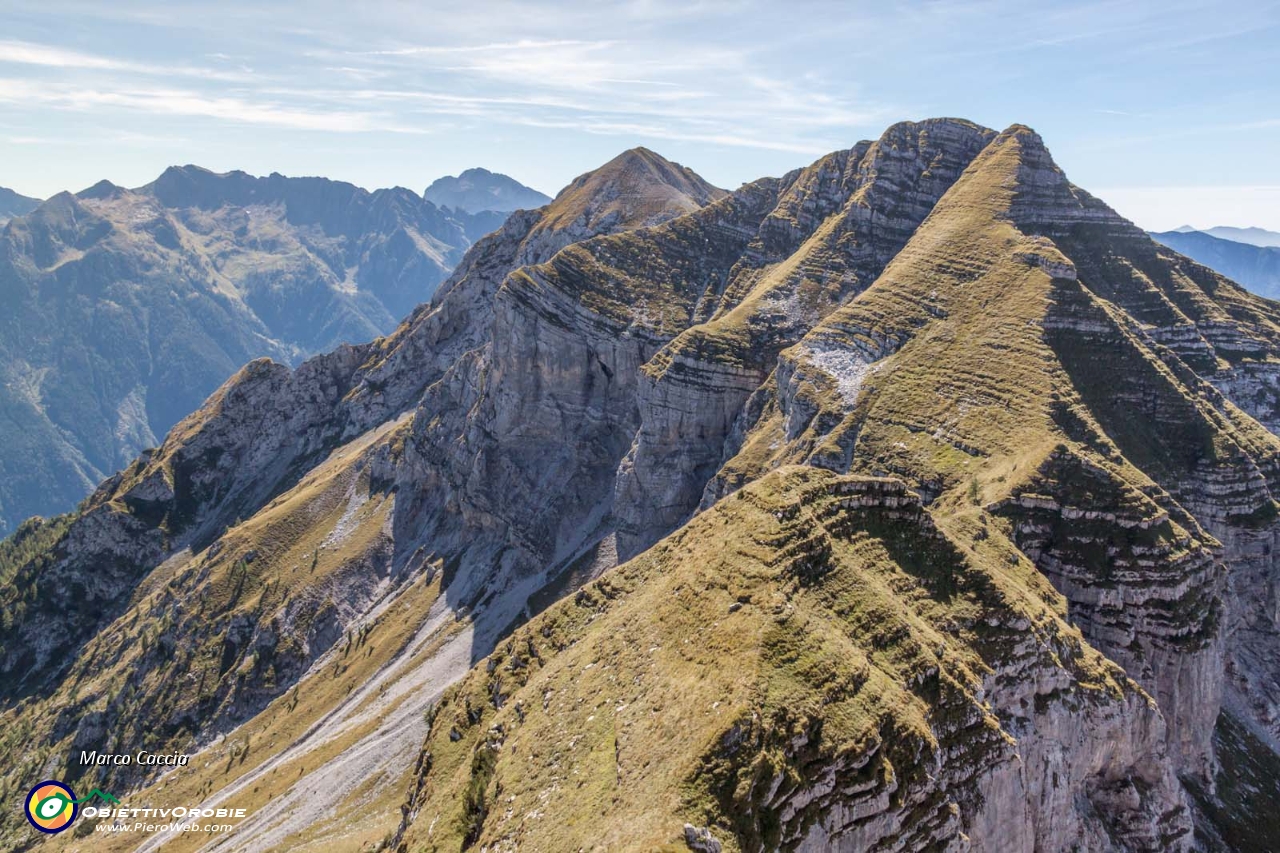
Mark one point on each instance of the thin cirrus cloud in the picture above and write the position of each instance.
(544, 90)
(444, 50)
(602, 87)
(181, 102)
(596, 82)
(47, 56)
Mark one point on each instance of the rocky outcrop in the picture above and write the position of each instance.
(633, 190)
(836, 226)
(1142, 589)
(547, 405)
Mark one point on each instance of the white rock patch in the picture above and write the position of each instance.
(847, 367)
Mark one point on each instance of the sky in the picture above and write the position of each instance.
(1169, 111)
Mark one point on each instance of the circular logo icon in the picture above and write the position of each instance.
(51, 806)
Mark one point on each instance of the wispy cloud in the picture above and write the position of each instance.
(184, 102)
(603, 86)
(544, 88)
(47, 56)
(492, 47)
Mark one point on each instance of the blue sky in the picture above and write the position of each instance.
(1170, 111)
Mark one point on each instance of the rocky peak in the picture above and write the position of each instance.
(638, 187)
(103, 189)
(834, 227)
(59, 226)
(477, 190)
(195, 186)
(635, 189)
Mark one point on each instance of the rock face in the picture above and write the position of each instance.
(948, 497)
(835, 227)
(126, 308)
(478, 190)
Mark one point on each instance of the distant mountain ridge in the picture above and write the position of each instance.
(1252, 236)
(13, 204)
(124, 308)
(1257, 267)
(477, 190)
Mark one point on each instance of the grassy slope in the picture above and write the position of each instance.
(613, 718)
(971, 380)
(179, 650)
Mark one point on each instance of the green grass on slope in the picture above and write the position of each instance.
(809, 624)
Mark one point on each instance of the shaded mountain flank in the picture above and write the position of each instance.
(1255, 267)
(913, 500)
(479, 190)
(125, 309)
(13, 204)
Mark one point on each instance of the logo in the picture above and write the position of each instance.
(51, 806)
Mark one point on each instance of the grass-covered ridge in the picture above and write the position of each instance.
(810, 624)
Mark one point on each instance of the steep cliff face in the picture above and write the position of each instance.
(836, 226)
(985, 557)
(547, 405)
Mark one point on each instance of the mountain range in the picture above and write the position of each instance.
(478, 190)
(1252, 236)
(126, 308)
(913, 500)
(1257, 267)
